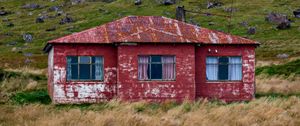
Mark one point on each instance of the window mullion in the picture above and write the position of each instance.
(161, 57)
(78, 68)
(150, 67)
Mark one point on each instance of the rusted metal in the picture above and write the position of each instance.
(150, 29)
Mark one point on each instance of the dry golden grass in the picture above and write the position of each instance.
(263, 111)
(277, 85)
(28, 70)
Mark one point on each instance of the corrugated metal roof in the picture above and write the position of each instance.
(148, 29)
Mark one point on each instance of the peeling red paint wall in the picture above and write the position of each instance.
(121, 69)
(87, 91)
(227, 91)
(130, 88)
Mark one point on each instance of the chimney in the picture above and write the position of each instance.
(180, 13)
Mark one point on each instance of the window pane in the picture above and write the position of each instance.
(143, 68)
(235, 68)
(72, 59)
(84, 71)
(156, 71)
(223, 60)
(97, 60)
(93, 72)
(98, 68)
(211, 60)
(223, 68)
(84, 59)
(212, 71)
(168, 69)
(74, 71)
(212, 68)
(156, 59)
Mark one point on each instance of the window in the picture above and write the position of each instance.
(223, 68)
(156, 68)
(84, 68)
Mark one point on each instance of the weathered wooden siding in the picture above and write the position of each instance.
(84, 91)
(50, 72)
(131, 89)
(226, 90)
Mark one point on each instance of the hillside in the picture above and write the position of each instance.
(26, 26)
(41, 19)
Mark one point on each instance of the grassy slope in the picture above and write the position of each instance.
(87, 15)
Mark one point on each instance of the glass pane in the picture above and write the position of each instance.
(84, 71)
(156, 71)
(223, 60)
(73, 59)
(74, 71)
(235, 60)
(211, 60)
(97, 60)
(211, 72)
(223, 72)
(93, 72)
(85, 59)
(156, 59)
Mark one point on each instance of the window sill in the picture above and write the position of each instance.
(220, 81)
(74, 81)
(157, 80)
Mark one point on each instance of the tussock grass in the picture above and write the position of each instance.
(262, 111)
(13, 82)
(277, 84)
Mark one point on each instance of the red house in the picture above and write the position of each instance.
(150, 58)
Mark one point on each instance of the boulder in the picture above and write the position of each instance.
(3, 12)
(54, 8)
(297, 13)
(27, 54)
(230, 10)
(281, 20)
(27, 37)
(251, 30)
(244, 24)
(31, 6)
(39, 19)
(75, 2)
(276, 18)
(108, 1)
(282, 56)
(214, 4)
(169, 2)
(10, 24)
(66, 19)
(284, 25)
(137, 2)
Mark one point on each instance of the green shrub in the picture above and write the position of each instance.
(37, 96)
(287, 69)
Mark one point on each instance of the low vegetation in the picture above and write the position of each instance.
(286, 70)
(14, 82)
(262, 111)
